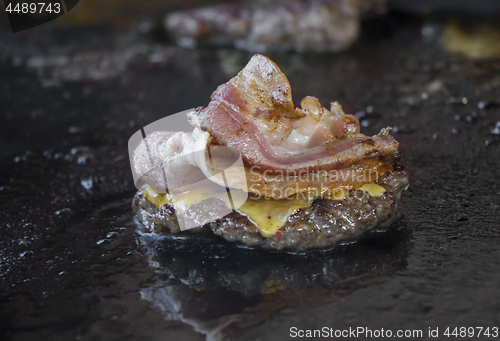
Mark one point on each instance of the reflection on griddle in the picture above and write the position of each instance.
(211, 286)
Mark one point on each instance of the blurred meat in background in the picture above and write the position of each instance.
(259, 26)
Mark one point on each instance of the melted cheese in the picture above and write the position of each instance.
(181, 201)
(157, 199)
(373, 189)
(269, 215)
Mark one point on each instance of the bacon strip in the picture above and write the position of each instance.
(254, 114)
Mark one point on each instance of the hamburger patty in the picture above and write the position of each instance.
(323, 224)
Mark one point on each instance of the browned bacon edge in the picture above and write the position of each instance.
(224, 120)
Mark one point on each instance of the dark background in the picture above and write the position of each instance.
(73, 266)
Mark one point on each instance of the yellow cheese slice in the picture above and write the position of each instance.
(181, 201)
(373, 189)
(269, 215)
(157, 199)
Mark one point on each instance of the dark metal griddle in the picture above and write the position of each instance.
(73, 267)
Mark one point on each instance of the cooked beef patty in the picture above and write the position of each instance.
(323, 224)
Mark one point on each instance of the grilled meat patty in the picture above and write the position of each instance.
(323, 224)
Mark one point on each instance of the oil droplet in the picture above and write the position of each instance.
(87, 183)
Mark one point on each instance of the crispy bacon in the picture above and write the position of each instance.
(254, 114)
(285, 150)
